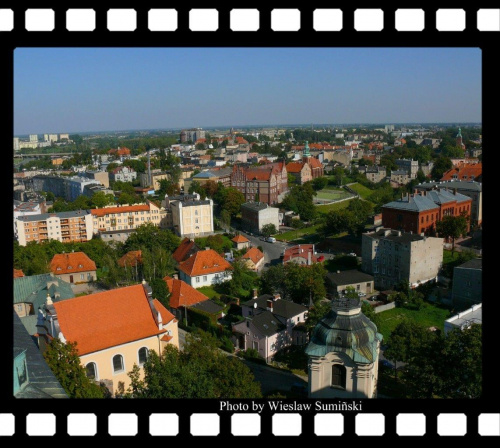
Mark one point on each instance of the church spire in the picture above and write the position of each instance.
(306, 152)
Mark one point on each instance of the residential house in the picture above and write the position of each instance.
(339, 281)
(270, 325)
(465, 171)
(182, 295)
(392, 256)
(100, 176)
(205, 268)
(303, 254)
(30, 293)
(240, 242)
(419, 212)
(132, 258)
(119, 152)
(254, 259)
(74, 267)
(300, 171)
(409, 166)
(400, 177)
(191, 216)
(123, 174)
(375, 173)
(113, 330)
(187, 248)
(467, 287)
(255, 215)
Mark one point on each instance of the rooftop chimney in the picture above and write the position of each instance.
(207, 248)
(254, 293)
(270, 305)
(276, 296)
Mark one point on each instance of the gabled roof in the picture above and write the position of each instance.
(348, 277)
(443, 196)
(125, 209)
(107, 319)
(204, 262)
(240, 239)
(18, 273)
(181, 253)
(464, 171)
(132, 258)
(33, 289)
(267, 324)
(315, 163)
(259, 174)
(71, 262)
(415, 203)
(254, 254)
(300, 251)
(182, 294)
(166, 315)
(281, 307)
(294, 167)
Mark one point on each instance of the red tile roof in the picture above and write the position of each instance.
(300, 251)
(180, 253)
(183, 294)
(18, 273)
(241, 140)
(131, 258)
(112, 210)
(71, 263)
(259, 174)
(464, 171)
(254, 254)
(204, 262)
(166, 315)
(294, 167)
(107, 319)
(240, 239)
(166, 338)
(315, 163)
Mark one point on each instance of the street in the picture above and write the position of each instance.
(272, 251)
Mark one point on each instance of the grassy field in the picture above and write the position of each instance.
(430, 316)
(448, 258)
(332, 195)
(295, 234)
(363, 191)
(326, 208)
(209, 291)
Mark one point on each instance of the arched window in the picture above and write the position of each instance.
(143, 355)
(118, 363)
(91, 370)
(338, 376)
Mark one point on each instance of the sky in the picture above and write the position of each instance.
(59, 90)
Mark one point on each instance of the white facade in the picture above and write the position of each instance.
(33, 138)
(16, 143)
(205, 280)
(192, 218)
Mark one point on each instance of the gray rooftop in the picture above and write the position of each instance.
(476, 263)
(255, 206)
(204, 175)
(469, 316)
(399, 172)
(281, 307)
(415, 203)
(208, 306)
(443, 196)
(42, 383)
(61, 215)
(349, 277)
(458, 184)
(394, 235)
(267, 324)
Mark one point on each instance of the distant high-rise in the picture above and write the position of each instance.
(16, 143)
(192, 134)
(389, 128)
(33, 138)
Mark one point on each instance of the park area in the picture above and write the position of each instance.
(429, 315)
(332, 195)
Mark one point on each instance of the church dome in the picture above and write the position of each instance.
(345, 329)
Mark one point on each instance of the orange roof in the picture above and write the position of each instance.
(131, 258)
(241, 140)
(254, 254)
(294, 167)
(180, 253)
(183, 294)
(240, 239)
(300, 251)
(71, 263)
(315, 163)
(18, 273)
(259, 174)
(166, 338)
(107, 319)
(126, 209)
(464, 171)
(166, 315)
(204, 262)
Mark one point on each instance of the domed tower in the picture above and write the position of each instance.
(343, 353)
(459, 138)
(306, 154)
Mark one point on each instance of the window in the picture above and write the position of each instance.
(82, 276)
(91, 370)
(196, 213)
(118, 364)
(204, 278)
(143, 355)
(338, 376)
(197, 279)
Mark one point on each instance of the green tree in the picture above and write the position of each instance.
(126, 198)
(160, 291)
(168, 187)
(100, 199)
(233, 199)
(65, 363)
(195, 187)
(201, 370)
(315, 313)
(441, 165)
(150, 236)
(452, 227)
(268, 230)
(319, 183)
(453, 152)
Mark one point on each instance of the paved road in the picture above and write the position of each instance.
(272, 251)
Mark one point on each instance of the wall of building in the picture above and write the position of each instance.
(467, 286)
(76, 277)
(205, 280)
(192, 220)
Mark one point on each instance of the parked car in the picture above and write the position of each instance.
(352, 254)
(271, 239)
(373, 298)
(361, 294)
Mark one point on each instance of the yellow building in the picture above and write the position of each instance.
(191, 217)
(113, 330)
(125, 217)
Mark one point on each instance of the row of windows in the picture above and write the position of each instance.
(118, 364)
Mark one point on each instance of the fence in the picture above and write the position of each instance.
(388, 306)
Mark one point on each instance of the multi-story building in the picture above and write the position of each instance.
(192, 135)
(64, 226)
(255, 215)
(419, 212)
(267, 183)
(16, 144)
(427, 168)
(469, 188)
(155, 178)
(270, 325)
(100, 176)
(63, 136)
(408, 165)
(74, 267)
(400, 177)
(307, 168)
(68, 188)
(338, 282)
(303, 254)
(191, 217)
(375, 173)
(392, 256)
(465, 171)
(125, 217)
(34, 138)
(113, 330)
(123, 174)
(468, 283)
(222, 175)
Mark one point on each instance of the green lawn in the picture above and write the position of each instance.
(363, 191)
(448, 258)
(430, 316)
(333, 195)
(295, 234)
(338, 206)
(209, 291)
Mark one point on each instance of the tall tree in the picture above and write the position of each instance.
(65, 363)
(452, 227)
(150, 236)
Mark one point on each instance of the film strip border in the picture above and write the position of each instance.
(250, 424)
(249, 19)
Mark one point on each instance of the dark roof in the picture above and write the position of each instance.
(255, 206)
(281, 307)
(415, 203)
(476, 263)
(208, 306)
(458, 184)
(42, 383)
(348, 277)
(405, 237)
(267, 323)
(193, 203)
